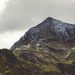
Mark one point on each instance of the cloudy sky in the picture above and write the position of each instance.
(17, 16)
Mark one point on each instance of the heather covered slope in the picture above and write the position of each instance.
(30, 62)
(10, 65)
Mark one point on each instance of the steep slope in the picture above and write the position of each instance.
(52, 32)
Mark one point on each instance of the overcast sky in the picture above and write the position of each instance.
(17, 16)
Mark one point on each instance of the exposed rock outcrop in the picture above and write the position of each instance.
(55, 33)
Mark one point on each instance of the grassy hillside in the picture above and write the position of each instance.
(12, 63)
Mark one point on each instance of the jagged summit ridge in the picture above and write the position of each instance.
(47, 31)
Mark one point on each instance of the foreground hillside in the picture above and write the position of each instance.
(10, 65)
(15, 63)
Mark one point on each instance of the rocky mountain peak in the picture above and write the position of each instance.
(52, 32)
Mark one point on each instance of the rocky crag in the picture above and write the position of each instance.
(53, 32)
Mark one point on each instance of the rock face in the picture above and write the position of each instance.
(55, 33)
(47, 49)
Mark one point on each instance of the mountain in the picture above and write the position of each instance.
(46, 49)
(53, 32)
(49, 41)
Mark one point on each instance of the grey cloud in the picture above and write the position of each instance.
(23, 14)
